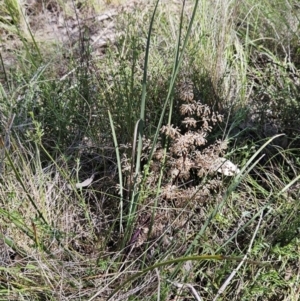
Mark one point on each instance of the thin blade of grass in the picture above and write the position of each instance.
(169, 123)
(140, 130)
(179, 260)
(176, 66)
(119, 170)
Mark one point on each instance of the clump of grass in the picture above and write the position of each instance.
(178, 172)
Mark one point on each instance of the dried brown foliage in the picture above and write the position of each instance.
(186, 163)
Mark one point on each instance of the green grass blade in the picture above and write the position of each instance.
(119, 170)
(140, 130)
(176, 66)
(179, 260)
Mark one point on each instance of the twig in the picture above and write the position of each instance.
(226, 283)
(192, 289)
(158, 284)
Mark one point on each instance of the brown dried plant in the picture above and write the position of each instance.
(188, 166)
(188, 158)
